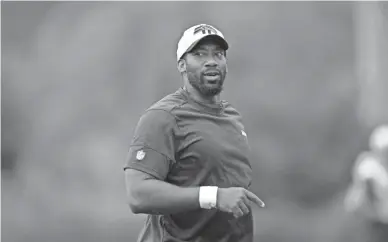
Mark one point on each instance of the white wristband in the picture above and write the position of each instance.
(208, 197)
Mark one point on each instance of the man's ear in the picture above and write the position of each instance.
(182, 65)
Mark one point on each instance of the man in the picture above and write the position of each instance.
(368, 194)
(187, 166)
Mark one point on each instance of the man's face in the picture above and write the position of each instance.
(206, 67)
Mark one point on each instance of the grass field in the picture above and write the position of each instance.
(274, 224)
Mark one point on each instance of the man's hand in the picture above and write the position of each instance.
(236, 200)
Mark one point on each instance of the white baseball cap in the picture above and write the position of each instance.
(196, 33)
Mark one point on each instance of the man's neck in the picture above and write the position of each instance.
(197, 96)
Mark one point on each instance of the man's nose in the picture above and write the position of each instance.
(210, 62)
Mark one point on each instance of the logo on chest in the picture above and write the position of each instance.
(140, 155)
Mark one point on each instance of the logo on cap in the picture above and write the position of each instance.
(205, 28)
(243, 133)
(140, 155)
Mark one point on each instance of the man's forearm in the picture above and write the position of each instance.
(159, 197)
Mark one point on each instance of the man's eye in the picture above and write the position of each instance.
(220, 54)
(198, 54)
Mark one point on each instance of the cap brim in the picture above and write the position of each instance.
(221, 41)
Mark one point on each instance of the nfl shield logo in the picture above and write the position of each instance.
(140, 155)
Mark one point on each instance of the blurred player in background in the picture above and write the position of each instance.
(367, 196)
(188, 165)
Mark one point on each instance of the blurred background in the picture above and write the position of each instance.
(310, 79)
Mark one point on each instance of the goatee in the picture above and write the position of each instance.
(207, 91)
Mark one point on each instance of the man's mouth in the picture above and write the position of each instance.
(212, 73)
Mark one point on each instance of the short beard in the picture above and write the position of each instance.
(204, 90)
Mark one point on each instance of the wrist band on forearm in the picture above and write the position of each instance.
(208, 197)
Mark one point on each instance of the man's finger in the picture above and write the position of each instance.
(244, 208)
(237, 212)
(252, 197)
